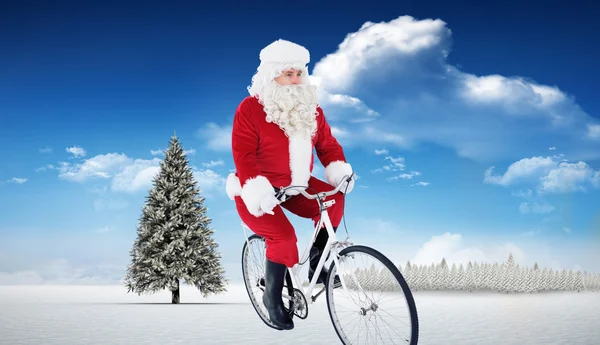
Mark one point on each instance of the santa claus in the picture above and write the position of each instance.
(275, 131)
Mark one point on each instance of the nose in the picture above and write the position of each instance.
(296, 80)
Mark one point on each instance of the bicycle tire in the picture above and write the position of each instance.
(414, 319)
(256, 301)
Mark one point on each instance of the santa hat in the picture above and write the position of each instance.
(284, 52)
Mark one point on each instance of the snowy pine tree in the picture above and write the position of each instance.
(174, 239)
(469, 283)
(461, 280)
(452, 280)
(509, 281)
(443, 275)
(578, 284)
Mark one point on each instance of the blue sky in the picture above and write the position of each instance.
(474, 129)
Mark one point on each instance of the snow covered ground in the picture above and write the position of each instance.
(108, 315)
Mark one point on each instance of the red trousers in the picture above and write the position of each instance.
(279, 234)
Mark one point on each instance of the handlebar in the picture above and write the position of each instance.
(281, 192)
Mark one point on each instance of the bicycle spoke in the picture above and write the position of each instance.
(373, 307)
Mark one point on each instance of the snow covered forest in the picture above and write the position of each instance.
(506, 277)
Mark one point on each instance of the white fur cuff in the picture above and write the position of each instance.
(233, 187)
(336, 171)
(254, 191)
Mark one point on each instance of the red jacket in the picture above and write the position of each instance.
(265, 157)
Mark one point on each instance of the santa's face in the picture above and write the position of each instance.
(289, 77)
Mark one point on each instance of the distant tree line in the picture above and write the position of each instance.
(506, 277)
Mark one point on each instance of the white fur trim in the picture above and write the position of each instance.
(300, 147)
(233, 186)
(253, 192)
(336, 171)
(282, 51)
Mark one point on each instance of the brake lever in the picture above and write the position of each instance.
(349, 178)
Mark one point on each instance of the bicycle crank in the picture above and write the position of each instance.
(300, 304)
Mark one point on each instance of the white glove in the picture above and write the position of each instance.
(268, 203)
(337, 172)
(347, 186)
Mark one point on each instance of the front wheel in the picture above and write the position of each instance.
(374, 305)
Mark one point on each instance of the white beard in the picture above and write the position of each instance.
(292, 107)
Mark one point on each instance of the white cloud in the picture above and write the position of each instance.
(535, 207)
(405, 176)
(568, 177)
(550, 174)
(527, 193)
(218, 138)
(458, 249)
(400, 69)
(128, 175)
(526, 168)
(453, 249)
(136, 175)
(18, 180)
(98, 167)
(515, 95)
(373, 42)
(213, 164)
(380, 136)
(46, 167)
(344, 102)
(593, 131)
(61, 271)
(397, 165)
(76, 151)
(340, 133)
(208, 180)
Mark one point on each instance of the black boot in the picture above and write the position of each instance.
(274, 275)
(315, 255)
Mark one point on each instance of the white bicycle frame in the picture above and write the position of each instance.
(332, 243)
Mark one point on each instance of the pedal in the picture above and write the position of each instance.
(314, 298)
(335, 286)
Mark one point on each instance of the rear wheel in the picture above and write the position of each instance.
(253, 272)
(376, 304)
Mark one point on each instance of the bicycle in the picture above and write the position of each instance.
(362, 279)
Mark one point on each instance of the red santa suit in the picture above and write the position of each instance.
(265, 157)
